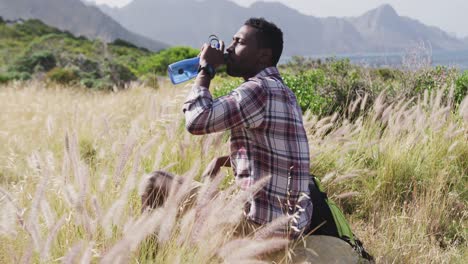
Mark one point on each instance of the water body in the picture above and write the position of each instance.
(456, 59)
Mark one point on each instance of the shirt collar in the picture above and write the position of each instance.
(268, 72)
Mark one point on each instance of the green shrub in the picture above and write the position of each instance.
(226, 86)
(300, 64)
(118, 73)
(63, 75)
(97, 84)
(4, 78)
(340, 67)
(28, 63)
(305, 86)
(386, 73)
(36, 27)
(429, 79)
(87, 65)
(123, 43)
(88, 82)
(158, 62)
(461, 87)
(12, 75)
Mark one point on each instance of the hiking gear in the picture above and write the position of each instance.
(327, 219)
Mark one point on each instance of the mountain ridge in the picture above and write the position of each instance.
(379, 30)
(77, 17)
(383, 25)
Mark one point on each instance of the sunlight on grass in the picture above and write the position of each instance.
(72, 161)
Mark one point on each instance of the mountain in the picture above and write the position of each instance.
(183, 24)
(76, 17)
(190, 22)
(383, 25)
(179, 22)
(306, 35)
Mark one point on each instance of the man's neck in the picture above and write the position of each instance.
(257, 71)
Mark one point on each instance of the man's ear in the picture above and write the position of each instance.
(266, 57)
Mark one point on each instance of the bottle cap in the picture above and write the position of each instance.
(214, 41)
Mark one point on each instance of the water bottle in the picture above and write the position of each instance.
(187, 69)
(183, 70)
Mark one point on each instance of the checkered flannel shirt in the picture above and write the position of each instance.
(267, 139)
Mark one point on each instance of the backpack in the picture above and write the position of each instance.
(327, 219)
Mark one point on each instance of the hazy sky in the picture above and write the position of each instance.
(449, 15)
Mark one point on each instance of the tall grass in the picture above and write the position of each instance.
(73, 161)
(405, 165)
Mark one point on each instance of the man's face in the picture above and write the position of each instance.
(243, 53)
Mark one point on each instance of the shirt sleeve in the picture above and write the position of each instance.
(244, 106)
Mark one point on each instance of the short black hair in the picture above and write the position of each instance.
(269, 36)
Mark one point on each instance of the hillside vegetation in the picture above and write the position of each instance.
(30, 49)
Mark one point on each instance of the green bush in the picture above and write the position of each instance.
(12, 75)
(123, 43)
(4, 78)
(36, 27)
(118, 73)
(88, 82)
(333, 83)
(340, 67)
(45, 60)
(305, 86)
(386, 73)
(158, 62)
(461, 87)
(87, 66)
(97, 84)
(226, 86)
(300, 64)
(63, 75)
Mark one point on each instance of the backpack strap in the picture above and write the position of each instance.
(329, 220)
(322, 222)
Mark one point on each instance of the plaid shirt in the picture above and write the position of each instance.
(267, 139)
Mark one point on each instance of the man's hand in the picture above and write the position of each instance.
(212, 55)
(213, 168)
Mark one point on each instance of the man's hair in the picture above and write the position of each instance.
(269, 36)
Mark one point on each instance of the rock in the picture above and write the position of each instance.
(324, 249)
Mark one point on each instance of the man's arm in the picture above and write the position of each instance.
(242, 107)
(203, 79)
(215, 165)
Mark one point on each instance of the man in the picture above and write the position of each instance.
(267, 134)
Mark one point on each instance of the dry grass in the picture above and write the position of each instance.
(72, 161)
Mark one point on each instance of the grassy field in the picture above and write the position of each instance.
(73, 161)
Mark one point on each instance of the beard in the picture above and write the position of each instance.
(239, 69)
(233, 70)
